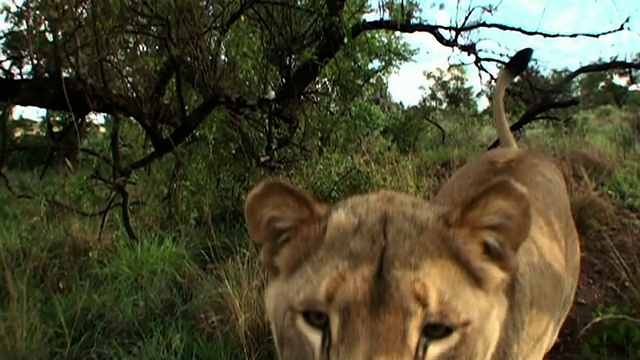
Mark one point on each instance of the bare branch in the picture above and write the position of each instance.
(110, 206)
(443, 133)
(611, 65)
(57, 147)
(12, 189)
(394, 25)
(58, 204)
(49, 93)
(533, 112)
(165, 145)
(548, 102)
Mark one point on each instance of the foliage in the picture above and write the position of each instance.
(192, 285)
(626, 184)
(609, 87)
(620, 332)
(200, 99)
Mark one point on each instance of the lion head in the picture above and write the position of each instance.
(385, 275)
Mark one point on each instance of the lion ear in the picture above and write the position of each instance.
(490, 227)
(285, 222)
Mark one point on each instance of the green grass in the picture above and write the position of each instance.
(69, 295)
(191, 286)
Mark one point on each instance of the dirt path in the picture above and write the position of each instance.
(600, 283)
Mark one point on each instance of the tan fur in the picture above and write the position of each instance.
(487, 270)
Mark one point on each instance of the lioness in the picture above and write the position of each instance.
(487, 270)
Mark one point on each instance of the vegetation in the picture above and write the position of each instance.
(131, 243)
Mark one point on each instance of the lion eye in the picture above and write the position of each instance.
(316, 319)
(431, 332)
(436, 331)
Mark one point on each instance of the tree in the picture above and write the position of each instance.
(449, 90)
(266, 74)
(608, 87)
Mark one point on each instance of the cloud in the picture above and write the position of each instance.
(28, 112)
(532, 5)
(404, 84)
(538, 15)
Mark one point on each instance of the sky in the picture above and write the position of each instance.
(552, 16)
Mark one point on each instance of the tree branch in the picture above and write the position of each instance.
(548, 101)
(532, 113)
(180, 134)
(84, 97)
(49, 93)
(393, 25)
(595, 68)
(57, 147)
(333, 40)
(12, 189)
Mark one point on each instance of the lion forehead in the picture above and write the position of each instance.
(384, 210)
(359, 227)
(373, 235)
(373, 244)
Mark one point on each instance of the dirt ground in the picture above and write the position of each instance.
(600, 282)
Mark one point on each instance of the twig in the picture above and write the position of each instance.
(600, 319)
(15, 192)
(105, 214)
